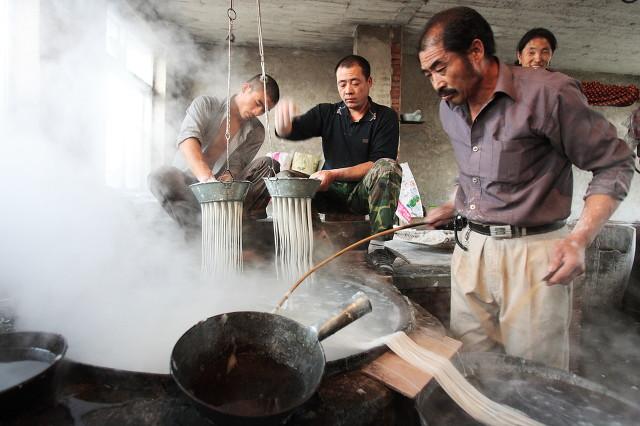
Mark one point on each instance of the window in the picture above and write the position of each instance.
(4, 50)
(130, 101)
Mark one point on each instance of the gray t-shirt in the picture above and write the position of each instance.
(204, 118)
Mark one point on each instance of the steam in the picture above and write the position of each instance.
(104, 265)
(78, 257)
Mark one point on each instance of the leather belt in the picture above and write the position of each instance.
(512, 231)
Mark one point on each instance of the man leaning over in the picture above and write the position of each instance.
(202, 155)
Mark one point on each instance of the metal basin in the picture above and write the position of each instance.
(207, 192)
(28, 365)
(548, 395)
(292, 187)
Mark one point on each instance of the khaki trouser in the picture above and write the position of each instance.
(499, 301)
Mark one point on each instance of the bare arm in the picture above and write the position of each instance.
(442, 214)
(345, 174)
(568, 254)
(285, 111)
(191, 150)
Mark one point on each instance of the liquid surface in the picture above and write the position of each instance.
(250, 384)
(16, 372)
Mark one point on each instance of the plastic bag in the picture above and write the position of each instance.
(410, 203)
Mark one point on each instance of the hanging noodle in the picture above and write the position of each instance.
(222, 237)
(293, 236)
(455, 385)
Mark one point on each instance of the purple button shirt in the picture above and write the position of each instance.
(515, 158)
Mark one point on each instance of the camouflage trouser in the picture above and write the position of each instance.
(376, 195)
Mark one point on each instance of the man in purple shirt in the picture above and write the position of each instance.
(516, 132)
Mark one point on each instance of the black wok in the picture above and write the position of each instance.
(254, 367)
(548, 395)
(28, 363)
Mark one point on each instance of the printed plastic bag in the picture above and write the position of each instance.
(410, 203)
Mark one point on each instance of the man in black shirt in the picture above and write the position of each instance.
(360, 146)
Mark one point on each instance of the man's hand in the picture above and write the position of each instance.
(327, 178)
(440, 215)
(284, 112)
(567, 261)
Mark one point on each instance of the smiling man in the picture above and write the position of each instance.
(360, 145)
(516, 132)
(202, 149)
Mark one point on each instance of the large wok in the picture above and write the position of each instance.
(254, 367)
(28, 364)
(548, 395)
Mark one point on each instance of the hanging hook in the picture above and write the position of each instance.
(231, 14)
(264, 84)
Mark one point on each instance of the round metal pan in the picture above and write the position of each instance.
(28, 364)
(548, 395)
(254, 367)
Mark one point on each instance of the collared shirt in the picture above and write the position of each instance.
(347, 143)
(204, 119)
(515, 159)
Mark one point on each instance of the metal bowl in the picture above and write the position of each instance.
(293, 187)
(30, 361)
(207, 192)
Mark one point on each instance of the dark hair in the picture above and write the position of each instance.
(538, 33)
(456, 28)
(351, 60)
(273, 91)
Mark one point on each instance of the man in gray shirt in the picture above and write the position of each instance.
(516, 132)
(202, 154)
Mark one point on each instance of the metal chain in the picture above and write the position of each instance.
(231, 14)
(264, 85)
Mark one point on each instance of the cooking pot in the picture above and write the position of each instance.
(28, 364)
(255, 367)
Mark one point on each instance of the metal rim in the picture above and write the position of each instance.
(292, 187)
(206, 192)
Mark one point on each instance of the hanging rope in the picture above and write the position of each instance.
(231, 14)
(264, 85)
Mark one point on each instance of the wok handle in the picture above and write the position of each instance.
(359, 306)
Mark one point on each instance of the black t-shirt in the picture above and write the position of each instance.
(346, 143)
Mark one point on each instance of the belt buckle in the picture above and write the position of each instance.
(500, 231)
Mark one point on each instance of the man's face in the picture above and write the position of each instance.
(536, 54)
(353, 86)
(250, 102)
(451, 74)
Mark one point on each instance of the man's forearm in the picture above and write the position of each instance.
(191, 150)
(352, 174)
(598, 208)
